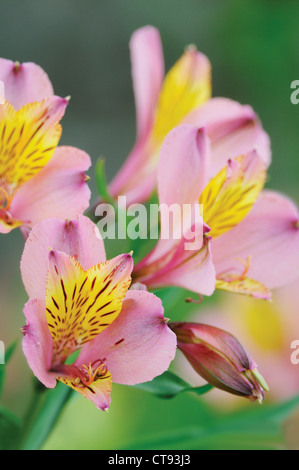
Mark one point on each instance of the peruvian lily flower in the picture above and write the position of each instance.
(220, 359)
(79, 301)
(37, 179)
(247, 232)
(184, 96)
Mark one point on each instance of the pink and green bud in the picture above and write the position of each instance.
(220, 359)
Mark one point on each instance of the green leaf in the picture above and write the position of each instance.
(8, 355)
(10, 427)
(168, 385)
(256, 428)
(214, 438)
(176, 306)
(101, 182)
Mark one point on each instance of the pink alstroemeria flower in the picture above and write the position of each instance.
(37, 179)
(80, 301)
(251, 237)
(184, 96)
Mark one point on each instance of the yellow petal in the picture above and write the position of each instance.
(245, 286)
(28, 138)
(80, 304)
(230, 195)
(186, 86)
(98, 390)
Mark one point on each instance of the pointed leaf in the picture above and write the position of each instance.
(168, 385)
(9, 430)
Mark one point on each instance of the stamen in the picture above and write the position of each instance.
(6, 217)
(7, 199)
(87, 375)
(194, 301)
(246, 265)
(230, 277)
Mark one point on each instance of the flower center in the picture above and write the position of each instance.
(87, 375)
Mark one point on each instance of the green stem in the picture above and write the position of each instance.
(42, 415)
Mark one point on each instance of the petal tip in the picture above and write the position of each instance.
(17, 67)
(24, 329)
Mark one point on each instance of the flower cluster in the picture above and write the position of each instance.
(92, 321)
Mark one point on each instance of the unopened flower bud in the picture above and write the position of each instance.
(220, 359)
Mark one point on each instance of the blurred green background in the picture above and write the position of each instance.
(83, 46)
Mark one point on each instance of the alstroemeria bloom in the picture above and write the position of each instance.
(79, 301)
(251, 244)
(219, 358)
(37, 179)
(184, 96)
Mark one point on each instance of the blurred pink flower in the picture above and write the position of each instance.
(37, 179)
(184, 96)
(80, 301)
(245, 234)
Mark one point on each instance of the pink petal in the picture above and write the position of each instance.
(24, 83)
(80, 239)
(54, 108)
(170, 263)
(147, 72)
(183, 165)
(138, 345)
(182, 174)
(270, 235)
(2, 92)
(136, 168)
(58, 190)
(190, 270)
(37, 342)
(101, 396)
(233, 129)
